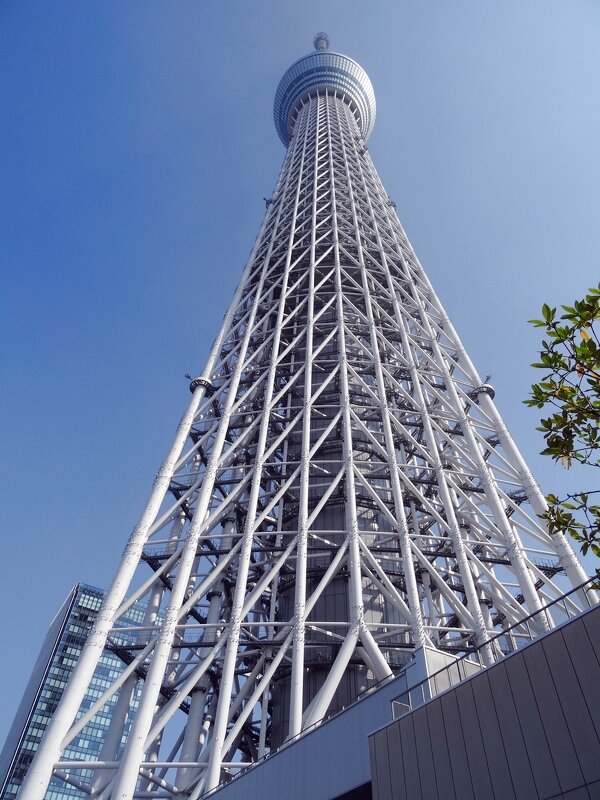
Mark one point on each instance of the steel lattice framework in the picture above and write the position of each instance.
(341, 490)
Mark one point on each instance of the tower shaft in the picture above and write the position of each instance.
(341, 491)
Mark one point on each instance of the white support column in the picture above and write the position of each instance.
(563, 549)
(355, 584)
(568, 560)
(455, 534)
(227, 675)
(128, 772)
(412, 591)
(297, 676)
(40, 771)
(196, 724)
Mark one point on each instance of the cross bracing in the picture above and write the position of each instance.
(341, 491)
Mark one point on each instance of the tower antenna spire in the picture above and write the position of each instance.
(321, 41)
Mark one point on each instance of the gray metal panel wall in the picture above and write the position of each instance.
(528, 728)
(324, 763)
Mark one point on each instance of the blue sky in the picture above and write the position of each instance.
(136, 149)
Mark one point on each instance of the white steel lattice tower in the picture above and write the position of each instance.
(341, 490)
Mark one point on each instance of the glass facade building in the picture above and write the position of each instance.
(59, 653)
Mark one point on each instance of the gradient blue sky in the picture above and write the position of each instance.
(136, 147)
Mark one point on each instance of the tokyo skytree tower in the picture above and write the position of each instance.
(340, 493)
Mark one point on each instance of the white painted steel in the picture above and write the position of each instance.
(340, 493)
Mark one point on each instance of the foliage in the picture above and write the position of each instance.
(570, 389)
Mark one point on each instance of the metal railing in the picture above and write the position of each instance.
(508, 641)
(555, 613)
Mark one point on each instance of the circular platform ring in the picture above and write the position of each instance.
(321, 70)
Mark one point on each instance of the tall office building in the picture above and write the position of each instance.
(341, 499)
(60, 651)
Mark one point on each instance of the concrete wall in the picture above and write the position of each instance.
(528, 728)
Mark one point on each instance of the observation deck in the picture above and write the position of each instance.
(321, 70)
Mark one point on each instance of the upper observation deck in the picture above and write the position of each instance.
(320, 70)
